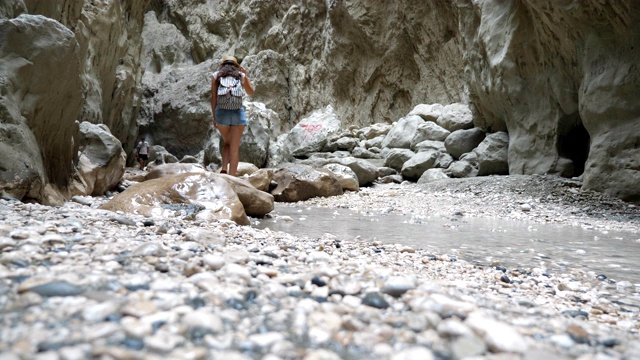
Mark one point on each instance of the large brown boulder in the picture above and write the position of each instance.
(297, 182)
(256, 203)
(207, 194)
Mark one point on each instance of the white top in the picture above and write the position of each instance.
(242, 76)
(143, 148)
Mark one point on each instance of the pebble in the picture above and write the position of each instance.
(79, 286)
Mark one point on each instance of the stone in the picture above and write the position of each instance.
(301, 182)
(348, 179)
(462, 169)
(261, 179)
(432, 175)
(463, 141)
(311, 133)
(54, 288)
(413, 353)
(366, 173)
(375, 300)
(419, 163)
(429, 131)
(256, 203)
(209, 195)
(102, 160)
(377, 130)
(402, 133)
(498, 336)
(395, 158)
(429, 145)
(456, 117)
(492, 154)
(398, 285)
(428, 112)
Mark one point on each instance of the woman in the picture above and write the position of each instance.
(228, 113)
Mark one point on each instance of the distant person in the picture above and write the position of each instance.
(143, 153)
(227, 85)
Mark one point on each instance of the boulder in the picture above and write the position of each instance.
(366, 172)
(374, 142)
(246, 169)
(395, 158)
(173, 169)
(373, 131)
(429, 145)
(431, 175)
(463, 141)
(298, 182)
(429, 131)
(428, 112)
(279, 152)
(256, 139)
(158, 155)
(261, 179)
(413, 168)
(311, 133)
(348, 179)
(492, 154)
(207, 195)
(256, 203)
(444, 160)
(463, 169)
(402, 132)
(102, 160)
(362, 153)
(456, 117)
(346, 143)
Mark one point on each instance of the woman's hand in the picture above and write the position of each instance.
(243, 70)
(215, 124)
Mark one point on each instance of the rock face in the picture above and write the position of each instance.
(40, 83)
(373, 61)
(562, 78)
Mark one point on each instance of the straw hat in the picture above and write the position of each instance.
(229, 59)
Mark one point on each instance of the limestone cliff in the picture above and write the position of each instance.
(562, 78)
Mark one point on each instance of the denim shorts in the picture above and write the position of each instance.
(231, 117)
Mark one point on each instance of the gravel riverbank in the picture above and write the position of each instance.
(77, 282)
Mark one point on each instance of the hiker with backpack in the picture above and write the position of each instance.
(228, 85)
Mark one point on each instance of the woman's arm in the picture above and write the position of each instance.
(214, 98)
(246, 84)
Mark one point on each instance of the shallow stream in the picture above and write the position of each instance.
(512, 244)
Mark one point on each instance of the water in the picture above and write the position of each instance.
(512, 244)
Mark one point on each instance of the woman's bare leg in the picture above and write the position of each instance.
(234, 143)
(225, 132)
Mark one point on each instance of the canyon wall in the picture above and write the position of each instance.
(560, 76)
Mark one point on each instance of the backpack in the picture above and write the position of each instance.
(230, 93)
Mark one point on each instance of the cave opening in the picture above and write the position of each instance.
(574, 145)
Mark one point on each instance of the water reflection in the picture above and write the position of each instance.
(510, 243)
